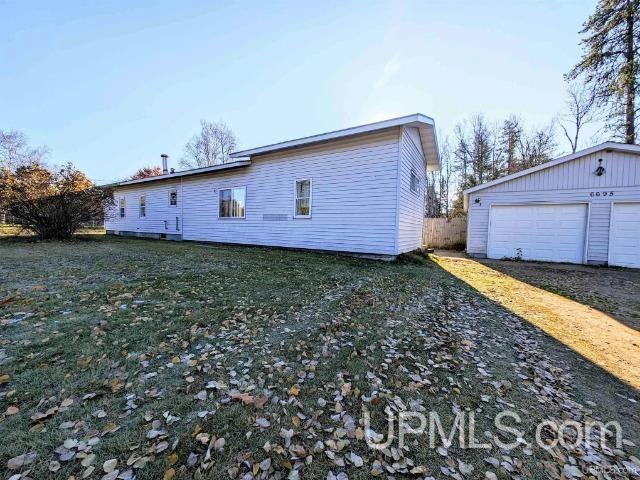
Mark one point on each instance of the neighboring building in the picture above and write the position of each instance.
(358, 190)
(580, 208)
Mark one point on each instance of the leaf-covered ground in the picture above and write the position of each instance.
(126, 358)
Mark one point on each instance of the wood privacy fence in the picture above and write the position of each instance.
(445, 232)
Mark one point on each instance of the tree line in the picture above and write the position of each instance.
(602, 86)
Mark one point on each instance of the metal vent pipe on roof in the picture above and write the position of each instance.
(165, 168)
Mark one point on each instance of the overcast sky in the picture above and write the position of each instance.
(111, 85)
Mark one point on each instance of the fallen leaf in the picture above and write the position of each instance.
(109, 465)
(169, 474)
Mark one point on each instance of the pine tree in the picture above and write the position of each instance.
(611, 62)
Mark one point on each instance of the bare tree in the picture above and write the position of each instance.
(439, 184)
(538, 146)
(15, 151)
(510, 139)
(445, 178)
(474, 151)
(211, 146)
(579, 112)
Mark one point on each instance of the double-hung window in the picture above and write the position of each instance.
(121, 207)
(143, 206)
(173, 197)
(414, 182)
(232, 202)
(302, 192)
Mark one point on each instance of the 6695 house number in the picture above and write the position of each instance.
(601, 194)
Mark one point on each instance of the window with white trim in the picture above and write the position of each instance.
(143, 206)
(232, 202)
(173, 197)
(302, 198)
(121, 207)
(414, 184)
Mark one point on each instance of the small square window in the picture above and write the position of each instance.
(303, 198)
(173, 197)
(415, 182)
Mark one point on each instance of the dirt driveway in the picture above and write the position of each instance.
(615, 291)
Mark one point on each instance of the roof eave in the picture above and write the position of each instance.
(408, 120)
(184, 173)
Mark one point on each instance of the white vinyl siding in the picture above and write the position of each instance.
(570, 182)
(410, 200)
(354, 197)
(360, 198)
(622, 170)
(160, 216)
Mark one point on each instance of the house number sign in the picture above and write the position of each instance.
(601, 194)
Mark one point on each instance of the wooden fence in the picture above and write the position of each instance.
(445, 232)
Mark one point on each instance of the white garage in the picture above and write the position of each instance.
(624, 247)
(580, 208)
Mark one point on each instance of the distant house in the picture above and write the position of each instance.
(580, 208)
(357, 190)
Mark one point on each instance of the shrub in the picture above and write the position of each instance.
(52, 203)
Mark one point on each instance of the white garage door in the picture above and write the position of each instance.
(551, 233)
(624, 238)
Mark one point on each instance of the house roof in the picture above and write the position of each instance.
(425, 125)
(606, 146)
(184, 173)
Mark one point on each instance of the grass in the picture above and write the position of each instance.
(121, 337)
(12, 231)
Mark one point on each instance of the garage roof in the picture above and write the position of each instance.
(608, 146)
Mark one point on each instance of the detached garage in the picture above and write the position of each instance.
(580, 208)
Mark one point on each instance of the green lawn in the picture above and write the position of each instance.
(127, 357)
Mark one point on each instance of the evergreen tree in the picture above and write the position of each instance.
(611, 60)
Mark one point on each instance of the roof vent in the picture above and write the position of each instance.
(164, 158)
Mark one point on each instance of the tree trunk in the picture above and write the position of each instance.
(630, 127)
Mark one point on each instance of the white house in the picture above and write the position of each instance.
(580, 208)
(357, 190)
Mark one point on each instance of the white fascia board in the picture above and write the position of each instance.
(416, 119)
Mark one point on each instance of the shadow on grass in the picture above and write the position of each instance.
(31, 238)
(602, 354)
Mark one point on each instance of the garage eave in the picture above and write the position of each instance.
(606, 146)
